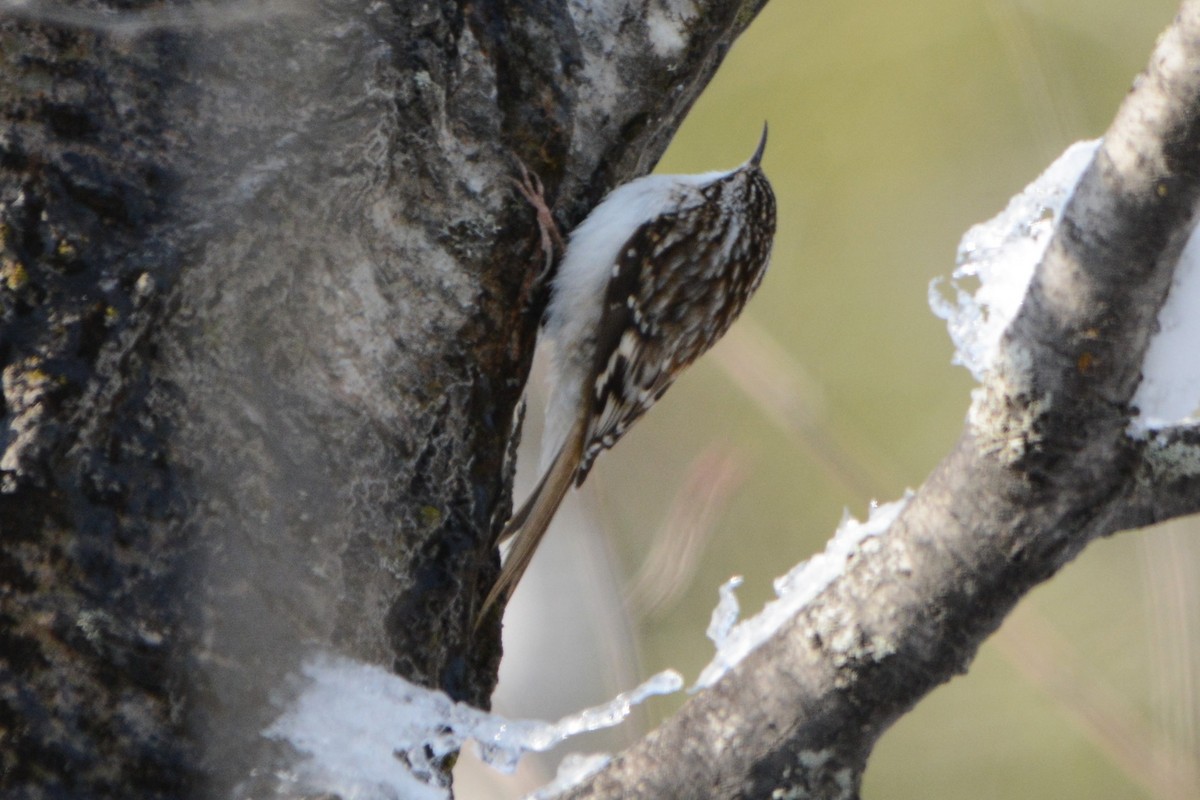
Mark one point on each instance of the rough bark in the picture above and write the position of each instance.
(266, 320)
(1043, 467)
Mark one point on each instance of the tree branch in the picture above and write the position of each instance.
(1043, 467)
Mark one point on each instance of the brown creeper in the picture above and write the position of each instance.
(650, 280)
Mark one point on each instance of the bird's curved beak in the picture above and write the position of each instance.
(762, 145)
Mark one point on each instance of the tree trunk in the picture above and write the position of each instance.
(267, 315)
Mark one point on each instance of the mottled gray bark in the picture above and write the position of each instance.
(1043, 467)
(266, 320)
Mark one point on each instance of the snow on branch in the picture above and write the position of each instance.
(1001, 256)
(368, 733)
(793, 591)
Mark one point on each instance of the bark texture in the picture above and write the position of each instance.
(267, 314)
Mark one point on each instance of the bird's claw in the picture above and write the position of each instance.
(531, 188)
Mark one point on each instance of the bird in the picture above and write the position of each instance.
(649, 281)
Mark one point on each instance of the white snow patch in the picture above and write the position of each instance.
(725, 615)
(1169, 393)
(370, 734)
(1002, 254)
(793, 591)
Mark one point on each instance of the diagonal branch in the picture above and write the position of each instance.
(1043, 466)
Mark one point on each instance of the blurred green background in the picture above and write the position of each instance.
(894, 128)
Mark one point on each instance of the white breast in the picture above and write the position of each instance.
(579, 288)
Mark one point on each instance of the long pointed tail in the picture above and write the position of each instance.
(529, 524)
